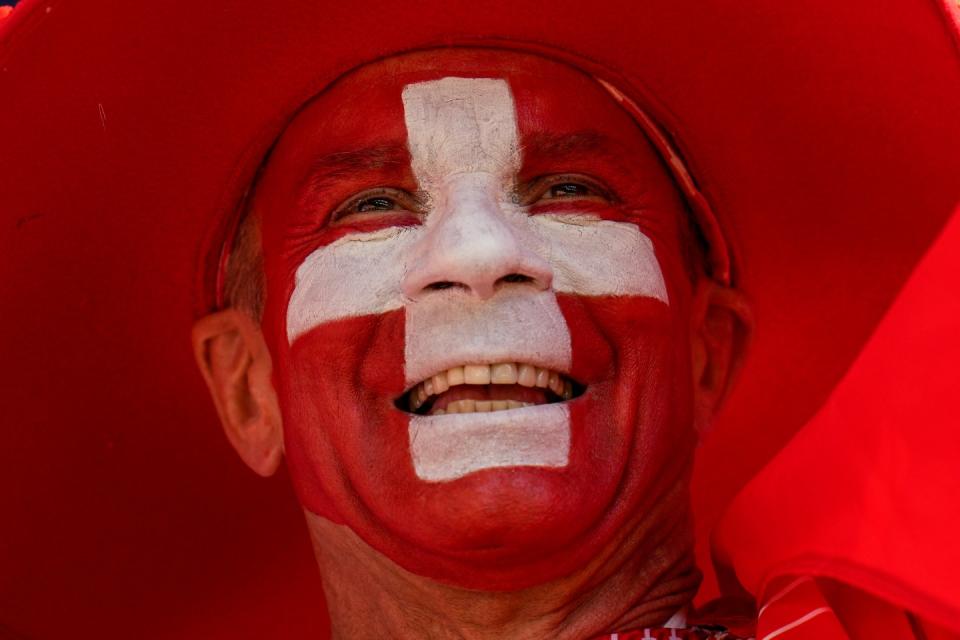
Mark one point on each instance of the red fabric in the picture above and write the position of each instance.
(807, 608)
(669, 634)
(867, 492)
(799, 612)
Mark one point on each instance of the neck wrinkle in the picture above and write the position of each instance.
(655, 574)
(645, 576)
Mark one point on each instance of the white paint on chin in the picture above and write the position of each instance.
(448, 447)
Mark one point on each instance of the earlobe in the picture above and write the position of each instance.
(721, 327)
(235, 363)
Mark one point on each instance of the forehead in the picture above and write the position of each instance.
(552, 103)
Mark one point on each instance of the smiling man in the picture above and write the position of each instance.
(489, 336)
(481, 303)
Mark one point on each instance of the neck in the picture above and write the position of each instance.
(644, 577)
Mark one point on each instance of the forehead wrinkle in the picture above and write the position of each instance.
(460, 125)
(326, 170)
(571, 147)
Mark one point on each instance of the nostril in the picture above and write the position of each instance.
(438, 286)
(515, 277)
(480, 285)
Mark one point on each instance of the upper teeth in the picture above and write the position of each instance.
(526, 375)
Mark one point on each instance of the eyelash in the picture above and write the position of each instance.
(397, 197)
(542, 186)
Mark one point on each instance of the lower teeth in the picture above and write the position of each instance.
(481, 406)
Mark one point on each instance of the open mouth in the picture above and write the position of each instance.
(478, 388)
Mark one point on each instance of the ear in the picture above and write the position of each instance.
(721, 327)
(235, 362)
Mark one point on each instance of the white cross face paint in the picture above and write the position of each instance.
(448, 447)
(461, 125)
(464, 146)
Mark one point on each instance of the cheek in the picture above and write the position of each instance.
(636, 350)
(657, 399)
(336, 385)
(336, 331)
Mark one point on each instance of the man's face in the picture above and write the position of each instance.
(478, 314)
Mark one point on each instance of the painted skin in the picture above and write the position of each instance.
(479, 272)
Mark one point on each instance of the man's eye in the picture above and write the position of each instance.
(568, 189)
(376, 202)
(557, 188)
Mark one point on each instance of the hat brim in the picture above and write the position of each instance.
(823, 134)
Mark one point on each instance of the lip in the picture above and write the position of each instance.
(495, 358)
(544, 358)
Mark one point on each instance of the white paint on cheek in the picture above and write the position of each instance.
(356, 275)
(595, 257)
(448, 447)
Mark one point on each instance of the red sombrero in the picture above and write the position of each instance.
(822, 134)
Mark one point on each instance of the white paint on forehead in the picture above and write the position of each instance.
(448, 447)
(457, 125)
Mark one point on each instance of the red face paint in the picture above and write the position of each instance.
(505, 226)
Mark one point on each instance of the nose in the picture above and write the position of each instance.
(471, 244)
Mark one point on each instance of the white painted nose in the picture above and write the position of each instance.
(472, 244)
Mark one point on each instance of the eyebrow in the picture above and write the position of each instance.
(323, 171)
(571, 146)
